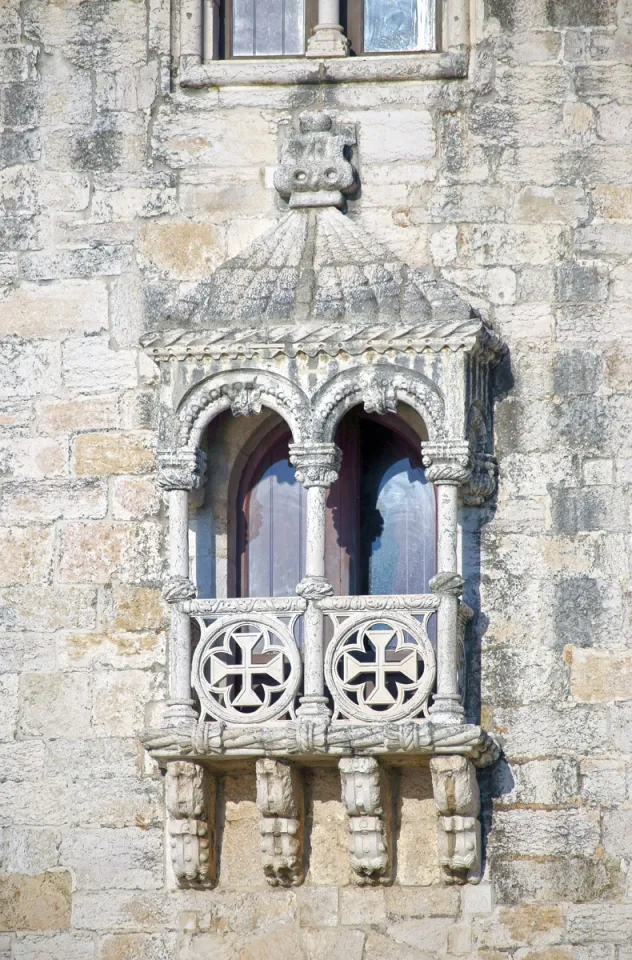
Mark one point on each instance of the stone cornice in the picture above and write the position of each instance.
(212, 741)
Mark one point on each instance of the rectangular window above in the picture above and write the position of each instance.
(226, 42)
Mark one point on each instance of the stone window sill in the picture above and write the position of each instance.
(452, 64)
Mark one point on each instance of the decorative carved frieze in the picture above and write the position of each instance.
(306, 737)
(366, 798)
(447, 461)
(182, 469)
(317, 464)
(190, 801)
(280, 802)
(457, 798)
(314, 171)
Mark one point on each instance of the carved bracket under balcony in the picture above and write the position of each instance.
(459, 831)
(280, 802)
(190, 802)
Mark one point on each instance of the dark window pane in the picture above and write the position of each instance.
(274, 508)
(268, 28)
(399, 25)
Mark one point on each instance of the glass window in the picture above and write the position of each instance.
(380, 524)
(398, 25)
(268, 28)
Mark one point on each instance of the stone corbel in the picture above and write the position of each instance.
(317, 464)
(190, 800)
(280, 802)
(366, 798)
(447, 461)
(457, 798)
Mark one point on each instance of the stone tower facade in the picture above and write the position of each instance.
(198, 249)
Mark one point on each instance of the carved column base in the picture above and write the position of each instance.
(280, 802)
(179, 711)
(458, 830)
(328, 40)
(190, 799)
(366, 798)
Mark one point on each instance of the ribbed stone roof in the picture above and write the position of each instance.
(318, 267)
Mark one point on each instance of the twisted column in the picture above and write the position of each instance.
(448, 465)
(317, 466)
(179, 473)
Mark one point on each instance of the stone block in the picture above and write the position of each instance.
(539, 924)
(603, 781)
(104, 454)
(90, 366)
(577, 372)
(98, 413)
(58, 946)
(28, 368)
(97, 552)
(581, 282)
(102, 261)
(32, 806)
(381, 947)
(35, 903)
(574, 879)
(120, 651)
(600, 923)
(189, 251)
(535, 833)
(30, 851)
(46, 501)
(127, 858)
(69, 306)
(123, 911)
(587, 612)
(588, 509)
(435, 901)
(138, 946)
(544, 782)
(48, 608)
(318, 906)
(551, 205)
(23, 760)
(495, 284)
(9, 704)
(603, 240)
(34, 458)
(362, 905)
(512, 245)
(240, 859)
(119, 701)
(239, 137)
(527, 321)
(332, 944)
(599, 676)
(18, 148)
(430, 935)
(598, 472)
(617, 832)
(417, 857)
(329, 858)
(54, 703)
(460, 940)
(134, 499)
(129, 608)
(115, 802)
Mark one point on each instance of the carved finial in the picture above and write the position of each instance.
(314, 171)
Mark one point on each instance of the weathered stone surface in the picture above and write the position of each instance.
(98, 552)
(54, 312)
(104, 454)
(53, 703)
(35, 903)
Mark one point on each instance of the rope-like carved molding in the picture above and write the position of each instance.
(406, 603)
(238, 605)
(378, 389)
(244, 392)
(306, 737)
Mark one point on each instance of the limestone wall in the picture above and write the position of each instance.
(117, 196)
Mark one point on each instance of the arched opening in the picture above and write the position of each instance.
(381, 517)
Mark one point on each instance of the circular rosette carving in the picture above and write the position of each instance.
(380, 668)
(246, 669)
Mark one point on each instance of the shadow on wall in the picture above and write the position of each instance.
(497, 780)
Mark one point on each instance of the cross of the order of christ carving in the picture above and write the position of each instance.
(247, 669)
(380, 667)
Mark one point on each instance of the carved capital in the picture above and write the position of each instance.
(448, 461)
(190, 796)
(182, 469)
(366, 798)
(178, 589)
(245, 398)
(482, 483)
(317, 464)
(314, 588)
(280, 802)
(447, 583)
(314, 171)
(457, 798)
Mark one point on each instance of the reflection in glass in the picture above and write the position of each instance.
(399, 25)
(272, 28)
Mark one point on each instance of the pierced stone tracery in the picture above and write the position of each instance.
(369, 680)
